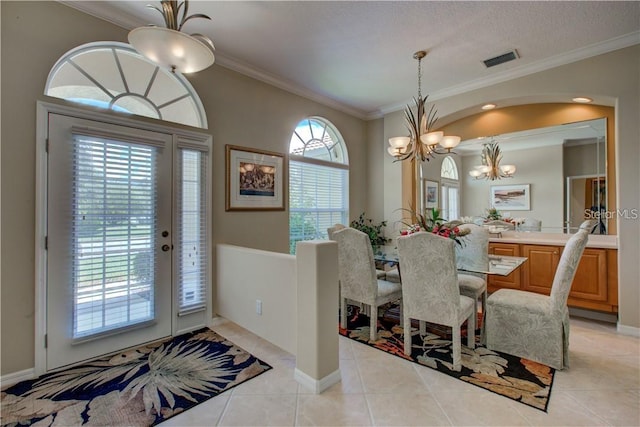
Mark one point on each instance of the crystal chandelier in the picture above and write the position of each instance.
(170, 47)
(491, 168)
(422, 143)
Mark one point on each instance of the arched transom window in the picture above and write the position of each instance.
(318, 180)
(114, 76)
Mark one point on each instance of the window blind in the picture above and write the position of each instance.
(113, 234)
(318, 199)
(192, 230)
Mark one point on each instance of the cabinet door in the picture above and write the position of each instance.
(540, 268)
(512, 281)
(590, 282)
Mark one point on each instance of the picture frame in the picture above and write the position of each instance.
(515, 197)
(431, 193)
(254, 179)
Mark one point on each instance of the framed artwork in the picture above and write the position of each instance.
(254, 180)
(511, 197)
(430, 194)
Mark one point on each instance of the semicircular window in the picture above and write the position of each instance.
(114, 76)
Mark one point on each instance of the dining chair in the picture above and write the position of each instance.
(472, 255)
(536, 326)
(357, 275)
(430, 290)
(381, 274)
(530, 224)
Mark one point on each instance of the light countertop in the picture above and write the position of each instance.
(556, 239)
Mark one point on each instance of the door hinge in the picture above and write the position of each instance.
(46, 145)
(46, 341)
(46, 243)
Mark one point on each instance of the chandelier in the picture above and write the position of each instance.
(170, 47)
(491, 168)
(422, 143)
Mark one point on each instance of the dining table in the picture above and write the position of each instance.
(500, 265)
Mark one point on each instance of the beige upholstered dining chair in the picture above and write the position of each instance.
(381, 274)
(473, 255)
(357, 275)
(530, 224)
(430, 289)
(536, 326)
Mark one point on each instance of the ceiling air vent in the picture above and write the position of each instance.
(501, 59)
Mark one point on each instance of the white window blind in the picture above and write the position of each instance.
(192, 230)
(113, 234)
(318, 199)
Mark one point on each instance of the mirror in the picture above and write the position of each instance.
(564, 167)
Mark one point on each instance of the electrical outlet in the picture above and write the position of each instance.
(258, 307)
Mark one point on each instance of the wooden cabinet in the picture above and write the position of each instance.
(540, 268)
(594, 287)
(512, 281)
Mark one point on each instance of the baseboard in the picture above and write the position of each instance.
(16, 377)
(628, 330)
(217, 321)
(593, 315)
(318, 386)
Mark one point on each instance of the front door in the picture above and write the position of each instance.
(109, 252)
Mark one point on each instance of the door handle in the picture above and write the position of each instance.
(165, 248)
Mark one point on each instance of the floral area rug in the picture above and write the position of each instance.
(140, 387)
(519, 379)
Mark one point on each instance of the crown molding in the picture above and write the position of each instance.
(579, 54)
(287, 85)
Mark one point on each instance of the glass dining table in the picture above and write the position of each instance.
(500, 265)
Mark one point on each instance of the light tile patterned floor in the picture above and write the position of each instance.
(602, 387)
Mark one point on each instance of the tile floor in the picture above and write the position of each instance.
(601, 388)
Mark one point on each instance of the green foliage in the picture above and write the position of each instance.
(374, 231)
(493, 214)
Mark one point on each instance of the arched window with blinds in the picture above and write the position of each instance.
(318, 180)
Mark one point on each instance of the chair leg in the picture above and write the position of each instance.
(423, 328)
(407, 334)
(343, 313)
(373, 325)
(455, 342)
(401, 313)
(471, 330)
(484, 311)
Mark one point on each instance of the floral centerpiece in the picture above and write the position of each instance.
(432, 222)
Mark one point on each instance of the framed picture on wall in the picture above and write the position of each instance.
(254, 179)
(511, 197)
(431, 192)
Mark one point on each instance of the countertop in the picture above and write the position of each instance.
(555, 239)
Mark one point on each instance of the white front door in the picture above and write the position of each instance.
(109, 256)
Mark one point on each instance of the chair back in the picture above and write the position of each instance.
(473, 254)
(356, 267)
(430, 288)
(500, 223)
(333, 229)
(567, 267)
(530, 224)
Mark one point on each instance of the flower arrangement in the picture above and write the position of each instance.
(431, 222)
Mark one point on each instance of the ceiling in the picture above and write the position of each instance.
(357, 56)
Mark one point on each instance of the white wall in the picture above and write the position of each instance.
(541, 168)
(246, 275)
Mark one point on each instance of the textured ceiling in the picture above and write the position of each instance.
(357, 55)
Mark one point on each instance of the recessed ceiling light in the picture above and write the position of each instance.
(582, 99)
(488, 106)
